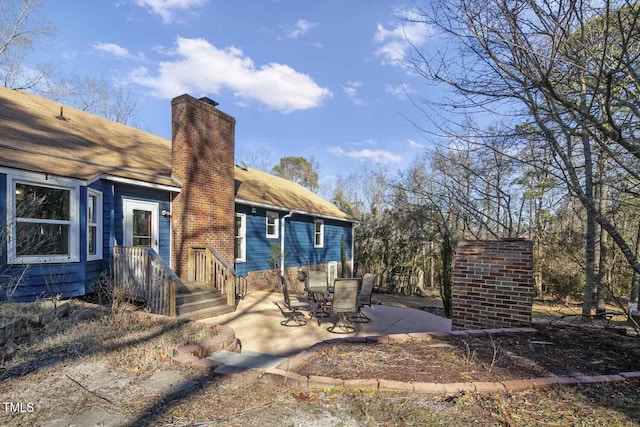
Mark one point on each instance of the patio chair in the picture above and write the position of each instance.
(293, 305)
(344, 304)
(364, 298)
(318, 289)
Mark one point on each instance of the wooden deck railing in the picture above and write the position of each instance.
(142, 275)
(221, 275)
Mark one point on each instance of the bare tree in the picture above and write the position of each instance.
(569, 69)
(20, 30)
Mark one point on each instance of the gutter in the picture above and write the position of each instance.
(294, 211)
(282, 227)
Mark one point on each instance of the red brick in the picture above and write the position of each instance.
(316, 381)
(389, 385)
(489, 387)
(432, 388)
(362, 384)
(203, 161)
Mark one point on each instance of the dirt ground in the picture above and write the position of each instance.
(95, 367)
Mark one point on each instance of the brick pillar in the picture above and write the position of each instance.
(202, 215)
(493, 284)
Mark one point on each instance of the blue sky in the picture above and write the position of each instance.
(322, 79)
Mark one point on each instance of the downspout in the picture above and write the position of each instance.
(282, 223)
(353, 240)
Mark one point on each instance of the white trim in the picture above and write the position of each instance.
(298, 212)
(243, 235)
(128, 206)
(276, 217)
(332, 277)
(283, 222)
(97, 224)
(49, 181)
(315, 233)
(134, 182)
(86, 182)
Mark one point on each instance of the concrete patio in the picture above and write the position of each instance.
(256, 323)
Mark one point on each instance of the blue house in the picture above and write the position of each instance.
(85, 201)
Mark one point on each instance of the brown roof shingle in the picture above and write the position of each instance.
(37, 134)
(266, 189)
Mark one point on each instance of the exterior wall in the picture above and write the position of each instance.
(41, 280)
(261, 271)
(203, 161)
(144, 194)
(79, 278)
(493, 284)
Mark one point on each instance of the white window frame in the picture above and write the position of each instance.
(318, 233)
(97, 224)
(128, 206)
(243, 235)
(49, 181)
(276, 217)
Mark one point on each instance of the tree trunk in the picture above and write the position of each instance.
(602, 289)
(635, 281)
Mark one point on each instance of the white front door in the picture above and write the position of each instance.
(140, 223)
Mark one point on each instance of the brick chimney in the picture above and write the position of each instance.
(203, 161)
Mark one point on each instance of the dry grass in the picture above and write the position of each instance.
(137, 341)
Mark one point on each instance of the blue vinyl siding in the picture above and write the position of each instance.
(299, 241)
(258, 246)
(95, 268)
(163, 198)
(40, 280)
(78, 278)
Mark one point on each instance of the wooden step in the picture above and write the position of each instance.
(186, 297)
(193, 287)
(207, 313)
(189, 307)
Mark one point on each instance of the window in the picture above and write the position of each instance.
(319, 233)
(42, 220)
(94, 225)
(272, 225)
(240, 247)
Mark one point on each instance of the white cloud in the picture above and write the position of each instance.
(167, 8)
(351, 90)
(414, 144)
(301, 27)
(396, 41)
(115, 50)
(378, 156)
(400, 91)
(201, 68)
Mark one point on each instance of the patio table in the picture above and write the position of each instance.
(322, 299)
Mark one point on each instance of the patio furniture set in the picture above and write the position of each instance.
(343, 299)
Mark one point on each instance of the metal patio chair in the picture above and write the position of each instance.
(364, 298)
(293, 305)
(344, 304)
(318, 289)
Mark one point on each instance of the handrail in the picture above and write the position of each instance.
(222, 260)
(218, 271)
(143, 275)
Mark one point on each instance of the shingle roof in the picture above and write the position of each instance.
(37, 134)
(265, 189)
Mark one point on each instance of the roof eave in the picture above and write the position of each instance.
(295, 211)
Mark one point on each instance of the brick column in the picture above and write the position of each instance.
(203, 140)
(493, 284)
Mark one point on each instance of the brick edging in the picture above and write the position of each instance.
(285, 368)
